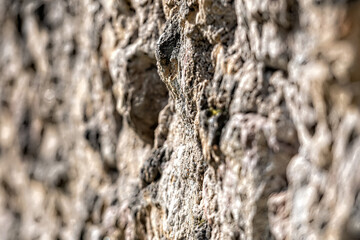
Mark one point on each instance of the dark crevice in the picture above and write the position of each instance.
(93, 137)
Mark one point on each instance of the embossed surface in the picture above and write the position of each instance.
(209, 119)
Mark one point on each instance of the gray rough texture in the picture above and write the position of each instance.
(196, 119)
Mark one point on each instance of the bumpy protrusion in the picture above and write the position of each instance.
(167, 50)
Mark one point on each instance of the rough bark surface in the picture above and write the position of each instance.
(196, 119)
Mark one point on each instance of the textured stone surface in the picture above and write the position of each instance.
(196, 119)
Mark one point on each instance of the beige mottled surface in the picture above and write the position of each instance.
(196, 119)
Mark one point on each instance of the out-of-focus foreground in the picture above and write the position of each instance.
(196, 119)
